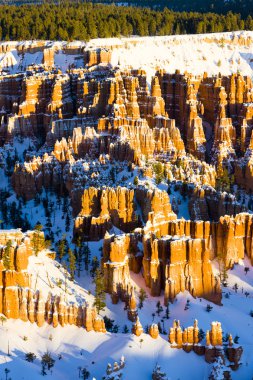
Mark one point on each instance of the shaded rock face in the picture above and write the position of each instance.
(170, 264)
(100, 209)
(19, 301)
(207, 204)
(43, 97)
(244, 168)
(138, 140)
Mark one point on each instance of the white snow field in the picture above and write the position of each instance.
(213, 53)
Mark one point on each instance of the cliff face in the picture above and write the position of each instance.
(19, 301)
(96, 57)
(197, 126)
(173, 265)
(176, 265)
(180, 259)
(100, 209)
(230, 237)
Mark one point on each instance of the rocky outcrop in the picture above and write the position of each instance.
(214, 348)
(19, 301)
(224, 142)
(103, 208)
(208, 204)
(179, 264)
(176, 255)
(184, 338)
(100, 209)
(137, 140)
(244, 168)
(153, 331)
(97, 56)
(48, 57)
(137, 328)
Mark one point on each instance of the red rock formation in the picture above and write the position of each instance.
(186, 338)
(137, 328)
(184, 264)
(18, 301)
(97, 56)
(48, 57)
(153, 331)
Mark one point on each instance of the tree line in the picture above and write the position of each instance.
(215, 6)
(84, 21)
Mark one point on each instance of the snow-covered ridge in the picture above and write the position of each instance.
(214, 53)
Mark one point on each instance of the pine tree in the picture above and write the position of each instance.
(47, 361)
(108, 323)
(99, 302)
(65, 276)
(62, 247)
(3, 319)
(85, 374)
(94, 266)
(142, 297)
(159, 308)
(136, 180)
(86, 253)
(167, 312)
(224, 275)
(7, 371)
(30, 357)
(159, 172)
(7, 255)
(201, 334)
(9, 164)
(67, 223)
(208, 308)
(38, 240)
(79, 254)
(72, 264)
(125, 329)
(115, 329)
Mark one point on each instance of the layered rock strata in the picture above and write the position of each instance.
(176, 255)
(19, 301)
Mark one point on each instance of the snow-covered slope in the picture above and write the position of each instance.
(77, 348)
(213, 53)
